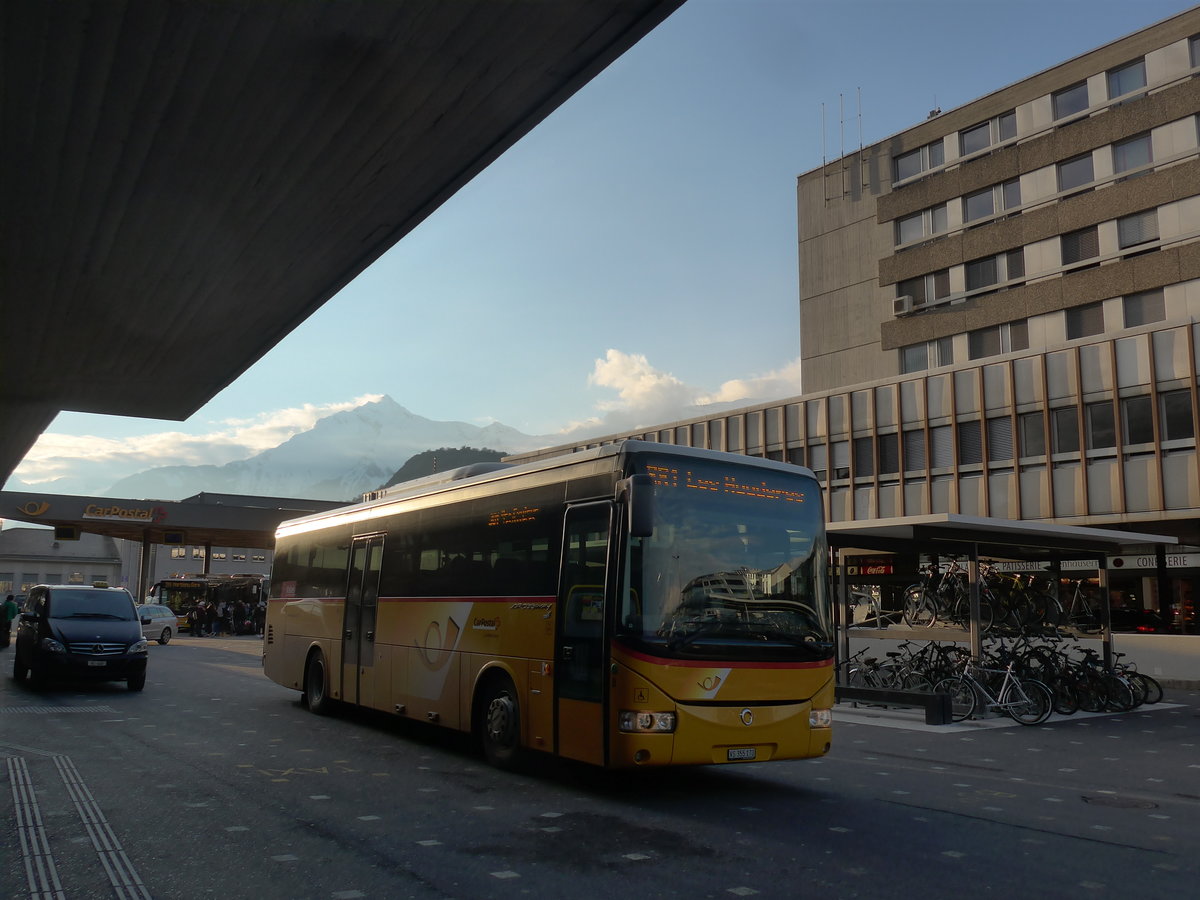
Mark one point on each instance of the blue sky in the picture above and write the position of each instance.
(636, 252)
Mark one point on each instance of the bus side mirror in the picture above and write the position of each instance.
(638, 491)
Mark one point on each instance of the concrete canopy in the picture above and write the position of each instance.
(1005, 538)
(185, 182)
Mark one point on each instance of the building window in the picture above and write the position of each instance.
(982, 273)
(978, 205)
(1144, 308)
(1085, 321)
(1177, 421)
(1007, 125)
(914, 450)
(1101, 432)
(864, 457)
(1137, 421)
(914, 358)
(1065, 427)
(972, 140)
(925, 355)
(1000, 439)
(1010, 193)
(1132, 153)
(997, 339)
(197, 553)
(178, 553)
(910, 228)
(1075, 172)
(924, 288)
(941, 447)
(1126, 79)
(1014, 264)
(983, 342)
(923, 224)
(1139, 228)
(1070, 100)
(818, 460)
(1194, 50)
(970, 447)
(1033, 434)
(889, 454)
(913, 163)
(1079, 245)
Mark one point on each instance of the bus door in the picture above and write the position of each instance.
(358, 624)
(581, 655)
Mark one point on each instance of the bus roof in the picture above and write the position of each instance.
(453, 479)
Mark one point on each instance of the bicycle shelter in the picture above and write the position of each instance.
(979, 538)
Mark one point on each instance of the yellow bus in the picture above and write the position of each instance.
(636, 604)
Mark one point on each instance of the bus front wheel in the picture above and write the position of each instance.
(316, 686)
(500, 723)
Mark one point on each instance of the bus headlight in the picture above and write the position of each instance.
(820, 718)
(646, 722)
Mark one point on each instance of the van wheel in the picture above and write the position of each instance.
(20, 668)
(136, 682)
(165, 636)
(38, 675)
(500, 723)
(316, 686)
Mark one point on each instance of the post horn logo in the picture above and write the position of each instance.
(34, 509)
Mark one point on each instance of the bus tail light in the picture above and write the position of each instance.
(640, 722)
(820, 718)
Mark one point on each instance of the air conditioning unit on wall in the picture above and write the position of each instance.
(902, 306)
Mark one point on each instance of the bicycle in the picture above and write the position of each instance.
(1026, 701)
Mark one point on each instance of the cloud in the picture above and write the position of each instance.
(647, 396)
(101, 461)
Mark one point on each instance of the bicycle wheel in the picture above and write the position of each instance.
(1091, 693)
(1154, 691)
(915, 681)
(962, 697)
(919, 609)
(1066, 700)
(1119, 695)
(1028, 702)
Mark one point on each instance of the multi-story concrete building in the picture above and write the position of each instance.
(999, 312)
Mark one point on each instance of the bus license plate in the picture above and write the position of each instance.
(97, 662)
(741, 753)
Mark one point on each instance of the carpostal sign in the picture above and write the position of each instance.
(114, 513)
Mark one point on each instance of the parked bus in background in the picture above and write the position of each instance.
(182, 594)
(636, 604)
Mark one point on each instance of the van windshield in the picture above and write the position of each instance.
(98, 603)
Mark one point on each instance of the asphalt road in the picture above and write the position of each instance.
(214, 782)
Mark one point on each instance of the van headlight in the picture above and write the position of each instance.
(820, 718)
(637, 721)
(50, 645)
(142, 646)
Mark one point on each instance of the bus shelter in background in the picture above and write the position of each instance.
(889, 553)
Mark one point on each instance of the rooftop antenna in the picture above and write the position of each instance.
(936, 111)
(842, 139)
(824, 158)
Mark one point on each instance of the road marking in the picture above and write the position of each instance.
(40, 871)
(120, 870)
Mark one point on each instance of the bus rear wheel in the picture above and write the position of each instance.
(500, 723)
(316, 686)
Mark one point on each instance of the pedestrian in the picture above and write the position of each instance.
(260, 617)
(196, 619)
(7, 614)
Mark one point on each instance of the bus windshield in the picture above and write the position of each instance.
(736, 567)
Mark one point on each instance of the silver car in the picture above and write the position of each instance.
(158, 622)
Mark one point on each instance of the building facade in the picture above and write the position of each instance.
(1000, 314)
(30, 556)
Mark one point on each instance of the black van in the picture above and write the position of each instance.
(76, 631)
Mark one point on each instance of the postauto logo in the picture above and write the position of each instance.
(124, 513)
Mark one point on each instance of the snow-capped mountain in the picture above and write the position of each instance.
(337, 459)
